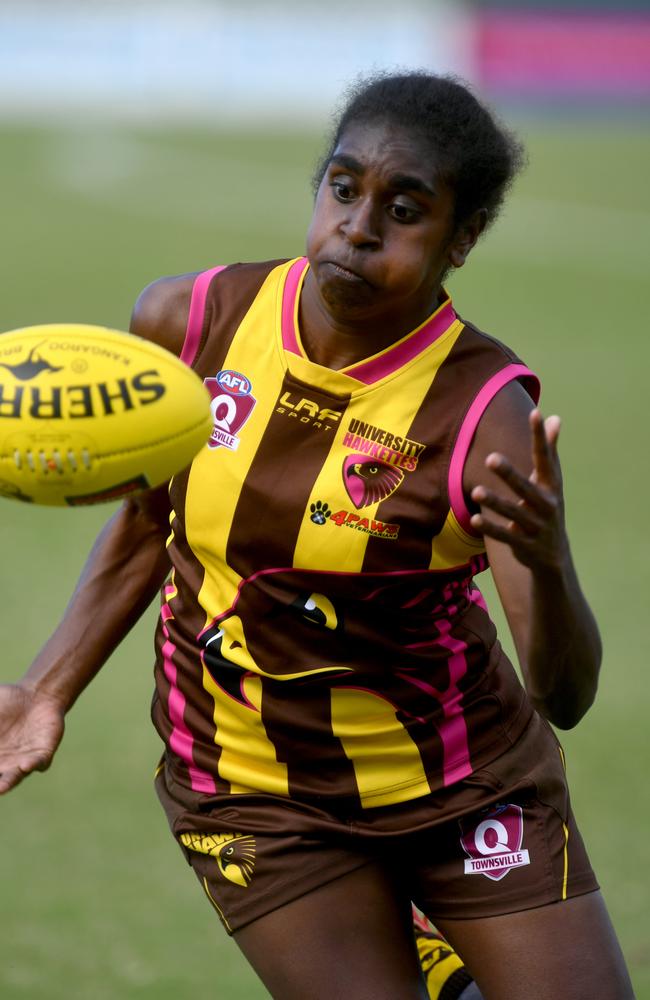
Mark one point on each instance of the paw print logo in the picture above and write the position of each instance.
(319, 512)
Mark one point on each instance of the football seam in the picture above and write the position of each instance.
(130, 451)
(151, 444)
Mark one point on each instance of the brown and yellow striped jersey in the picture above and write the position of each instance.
(321, 634)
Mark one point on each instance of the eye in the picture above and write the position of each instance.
(404, 213)
(342, 190)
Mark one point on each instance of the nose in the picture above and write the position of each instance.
(361, 225)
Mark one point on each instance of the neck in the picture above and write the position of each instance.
(338, 341)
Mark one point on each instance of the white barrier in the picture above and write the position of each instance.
(213, 60)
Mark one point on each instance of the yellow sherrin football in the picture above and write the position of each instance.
(88, 415)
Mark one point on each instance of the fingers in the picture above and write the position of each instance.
(12, 774)
(507, 533)
(545, 434)
(10, 778)
(532, 493)
(529, 515)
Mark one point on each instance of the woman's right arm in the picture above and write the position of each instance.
(125, 569)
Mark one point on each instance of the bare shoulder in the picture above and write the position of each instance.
(504, 427)
(161, 311)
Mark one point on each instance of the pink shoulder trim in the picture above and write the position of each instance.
(289, 296)
(196, 314)
(466, 435)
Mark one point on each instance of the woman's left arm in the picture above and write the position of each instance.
(519, 491)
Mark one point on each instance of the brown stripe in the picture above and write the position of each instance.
(421, 503)
(316, 762)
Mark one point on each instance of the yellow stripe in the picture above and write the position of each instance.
(216, 906)
(160, 768)
(217, 474)
(382, 753)
(453, 546)
(566, 837)
(566, 859)
(248, 758)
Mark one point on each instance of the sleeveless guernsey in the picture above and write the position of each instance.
(321, 635)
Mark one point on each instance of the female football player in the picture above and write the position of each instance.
(343, 732)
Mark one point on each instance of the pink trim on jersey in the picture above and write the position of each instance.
(418, 598)
(181, 741)
(376, 368)
(466, 435)
(454, 732)
(399, 355)
(476, 597)
(289, 296)
(453, 729)
(196, 314)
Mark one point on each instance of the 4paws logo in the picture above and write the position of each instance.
(320, 511)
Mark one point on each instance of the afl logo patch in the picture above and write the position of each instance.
(234, 382)
(231, 405)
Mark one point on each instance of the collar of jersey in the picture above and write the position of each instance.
(362, 374)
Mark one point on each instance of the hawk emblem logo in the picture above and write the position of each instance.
(233, 852)
(368, 481)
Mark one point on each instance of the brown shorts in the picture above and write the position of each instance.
(502, 840)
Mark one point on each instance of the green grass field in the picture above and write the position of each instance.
(96, 902)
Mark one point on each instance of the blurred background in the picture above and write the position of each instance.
(146, 138)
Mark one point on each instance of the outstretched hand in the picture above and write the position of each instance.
(532, 521)
(31, 728)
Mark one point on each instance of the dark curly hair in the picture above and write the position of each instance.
(475, 153)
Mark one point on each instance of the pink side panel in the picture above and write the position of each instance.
(291, 286)
(476, 597)
(196, 314)
(181, 740)
(466, 435)
(453, 729)
(377, 368)
(454, 732)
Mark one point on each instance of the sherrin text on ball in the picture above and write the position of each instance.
(89, 414)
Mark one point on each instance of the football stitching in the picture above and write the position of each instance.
(130, 451)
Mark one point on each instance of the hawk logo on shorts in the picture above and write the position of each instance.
(234, 853)
(231, 406)
(493, 843)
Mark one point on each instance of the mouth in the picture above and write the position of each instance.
(345, 273)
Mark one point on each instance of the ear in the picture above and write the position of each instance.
(466, 236)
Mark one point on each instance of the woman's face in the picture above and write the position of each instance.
(382, 233)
